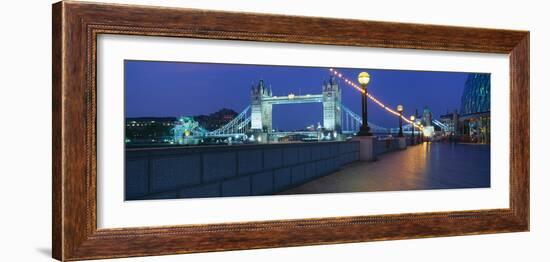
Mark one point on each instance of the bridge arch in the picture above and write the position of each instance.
(262, 101)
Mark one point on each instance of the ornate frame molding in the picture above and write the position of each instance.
(76, 26)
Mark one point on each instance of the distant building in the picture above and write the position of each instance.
(148, 130)
(169, 130)
(475, 110)
(216, 120)
(451, 121)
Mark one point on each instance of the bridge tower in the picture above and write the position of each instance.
(260, 111)
(427, 116)
(332, 99)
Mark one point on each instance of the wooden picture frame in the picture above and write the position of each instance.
(76, 26)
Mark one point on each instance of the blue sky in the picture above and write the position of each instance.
(177, 88)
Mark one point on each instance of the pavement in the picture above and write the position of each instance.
(437, 165)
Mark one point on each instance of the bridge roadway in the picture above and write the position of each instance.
(437, 165)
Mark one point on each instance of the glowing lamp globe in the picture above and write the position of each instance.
(363, 78)
(399, 108)
(412, 118)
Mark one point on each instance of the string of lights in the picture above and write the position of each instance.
(376, 101)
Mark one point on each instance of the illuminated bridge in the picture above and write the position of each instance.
(255, 120)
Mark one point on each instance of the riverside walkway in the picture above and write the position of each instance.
(425, 166)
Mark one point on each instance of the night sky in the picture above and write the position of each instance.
(176, 89)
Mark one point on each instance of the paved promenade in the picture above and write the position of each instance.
(426, 166)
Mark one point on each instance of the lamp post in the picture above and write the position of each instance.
(400, 110)
(364, 79)
(412, 124)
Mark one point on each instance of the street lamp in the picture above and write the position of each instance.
(400, 110)
(364, 79)
(412, 124)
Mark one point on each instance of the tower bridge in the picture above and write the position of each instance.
(262, 101)
(256, 120)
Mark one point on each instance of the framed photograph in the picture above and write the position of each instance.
(181, 130)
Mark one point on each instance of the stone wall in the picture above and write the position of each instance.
(385, 145)
(412, 142)
(237, 170)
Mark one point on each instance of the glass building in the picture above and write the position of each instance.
(475, 109)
